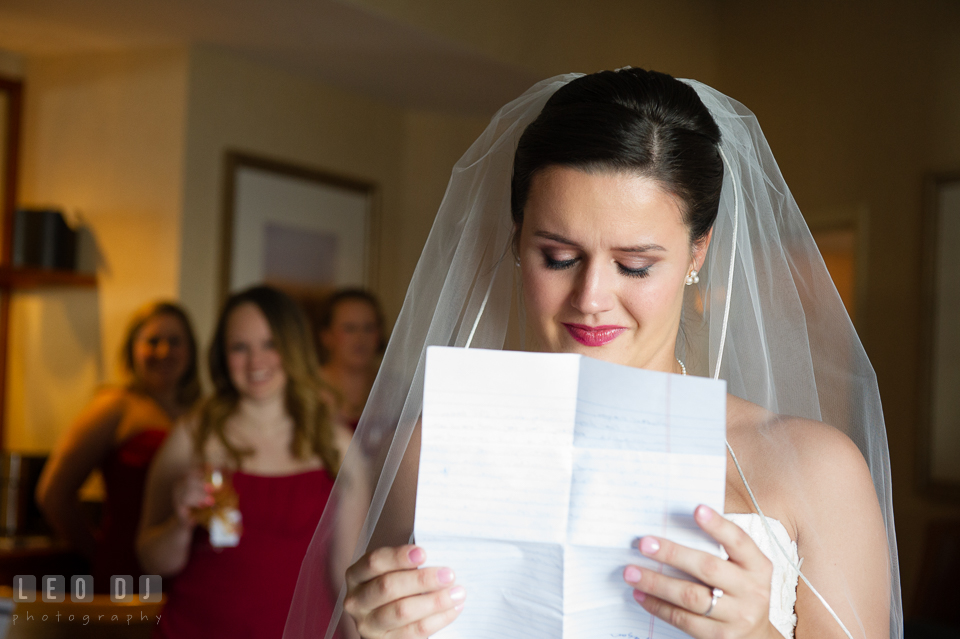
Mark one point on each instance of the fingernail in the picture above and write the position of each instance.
(639, 596)
(445, 576)
(457, 593)
(649, 546)
(703, 514)
(417, 556)
(631, 574)
(458, 607)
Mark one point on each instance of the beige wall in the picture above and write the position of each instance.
(238, 104)
(549, 37)
(134, 142)
(102, 138)
(942, 135)
(11, 64)
(858, 101)
(433, 142)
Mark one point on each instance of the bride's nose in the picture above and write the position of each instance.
(594, 291)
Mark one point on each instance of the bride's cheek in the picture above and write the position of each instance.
(538, 298)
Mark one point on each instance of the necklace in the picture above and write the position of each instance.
(683, 369)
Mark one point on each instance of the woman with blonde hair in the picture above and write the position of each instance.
(119, 432)
(268, 426)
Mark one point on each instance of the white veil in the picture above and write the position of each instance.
(765, 312)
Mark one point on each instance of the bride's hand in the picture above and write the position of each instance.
(743, 608)
(388, 596)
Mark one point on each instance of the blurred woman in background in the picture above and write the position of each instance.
(268, 427)
(119, 432)
(351, 339)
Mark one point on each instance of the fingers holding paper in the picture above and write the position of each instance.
(390, 596)
(736, 594)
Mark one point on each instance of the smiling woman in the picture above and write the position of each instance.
(119, 432)
(269, 429)
(254, 365)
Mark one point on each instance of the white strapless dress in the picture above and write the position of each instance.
(783, 587)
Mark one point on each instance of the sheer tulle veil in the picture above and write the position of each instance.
(765, 316)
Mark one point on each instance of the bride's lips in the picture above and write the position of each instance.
(593, 335)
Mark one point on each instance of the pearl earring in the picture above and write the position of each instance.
(692, 277)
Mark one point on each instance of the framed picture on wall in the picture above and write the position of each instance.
(939, 462)
(302, 230)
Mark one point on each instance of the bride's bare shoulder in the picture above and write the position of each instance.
(824, 453)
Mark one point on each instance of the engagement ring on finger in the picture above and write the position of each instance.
(717, 593)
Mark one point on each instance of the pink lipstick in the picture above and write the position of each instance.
(593, 335)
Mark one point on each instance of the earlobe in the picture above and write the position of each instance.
(699, 253)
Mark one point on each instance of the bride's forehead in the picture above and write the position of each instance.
(609, 200)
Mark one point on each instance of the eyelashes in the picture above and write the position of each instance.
(558, 265)
(633, 272)
(562, 265)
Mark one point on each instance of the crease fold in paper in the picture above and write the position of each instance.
(538, 472)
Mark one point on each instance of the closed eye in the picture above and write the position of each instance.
(559, 265)
(634, 272)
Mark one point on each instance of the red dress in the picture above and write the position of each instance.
(124, 478)
(246, 591)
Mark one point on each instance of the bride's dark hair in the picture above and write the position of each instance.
(642, 122)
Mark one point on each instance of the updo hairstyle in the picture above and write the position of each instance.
(631, 120)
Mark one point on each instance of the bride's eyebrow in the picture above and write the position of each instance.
(639, 248)
(556, 238)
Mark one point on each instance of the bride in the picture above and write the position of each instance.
(649, 226)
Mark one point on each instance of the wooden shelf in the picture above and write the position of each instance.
(26, 278)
